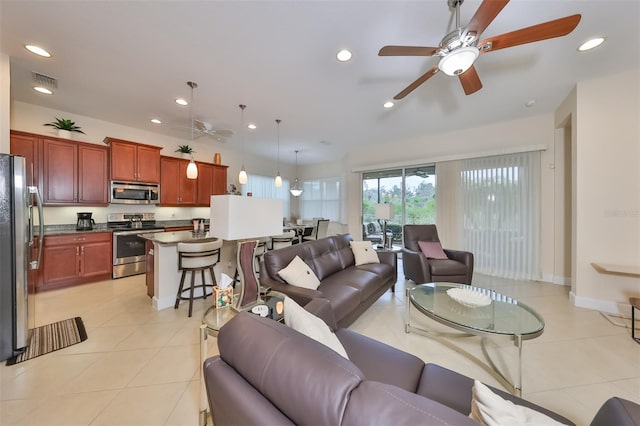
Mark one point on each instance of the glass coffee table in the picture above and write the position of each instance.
(500, 316)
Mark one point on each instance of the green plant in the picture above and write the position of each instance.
(185, 149)
(64, 124)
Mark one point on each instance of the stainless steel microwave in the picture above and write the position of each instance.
(134, 193)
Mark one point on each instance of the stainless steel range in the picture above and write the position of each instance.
(129, 254)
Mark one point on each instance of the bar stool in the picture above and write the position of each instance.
(194, 257)
(635, 305)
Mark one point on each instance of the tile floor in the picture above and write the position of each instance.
(141, 367)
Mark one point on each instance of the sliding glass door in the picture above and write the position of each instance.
(410, 190)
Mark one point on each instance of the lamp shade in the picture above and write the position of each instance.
(458, 61)
(384, 211)
(192, 170)
(237, 218)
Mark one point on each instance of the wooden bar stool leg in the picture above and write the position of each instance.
(179, 295)
(193, 282)
(204, 288)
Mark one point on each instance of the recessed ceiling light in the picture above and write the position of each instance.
(591, 43)
(43, 90)
(182, 102)
(37, 50)
(344, 55)
(388, 104)
(252, 126)
(156, 121)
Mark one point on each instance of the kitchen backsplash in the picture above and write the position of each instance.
(67, 215)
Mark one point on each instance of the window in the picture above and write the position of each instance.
(322, 198)
(264, 186)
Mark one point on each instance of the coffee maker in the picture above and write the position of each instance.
(85, 223)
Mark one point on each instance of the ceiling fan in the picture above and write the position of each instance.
(204, 128)
(460, 48)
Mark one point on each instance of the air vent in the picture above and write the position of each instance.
(44, 80)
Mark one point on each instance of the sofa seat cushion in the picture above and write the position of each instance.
(367, 283)
(384, 271)
(447, 267)
(263, 351)
(344, 299)
(374, 403)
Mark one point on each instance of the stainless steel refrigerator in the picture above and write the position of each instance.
(16, 241)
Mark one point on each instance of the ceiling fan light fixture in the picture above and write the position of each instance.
(592, 43)
(458, 61)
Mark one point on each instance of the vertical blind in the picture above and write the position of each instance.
(499, 200)
(264, 186)
(322, 198)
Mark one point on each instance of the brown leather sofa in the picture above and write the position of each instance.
(267, 373)
(458, 268)
(350, 289)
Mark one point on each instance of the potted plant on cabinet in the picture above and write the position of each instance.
(185, 150)
(65, 127)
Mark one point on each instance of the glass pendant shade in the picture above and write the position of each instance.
(278, 180)
(296, 191)
(242, 177)
(192, 170)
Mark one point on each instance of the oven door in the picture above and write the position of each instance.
(129, 252)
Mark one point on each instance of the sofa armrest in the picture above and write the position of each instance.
(322, 309)
(388, 257)
(617, 411)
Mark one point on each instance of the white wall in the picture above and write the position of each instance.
(30, 118)
(606, 212)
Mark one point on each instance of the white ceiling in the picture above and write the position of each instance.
(126, 62)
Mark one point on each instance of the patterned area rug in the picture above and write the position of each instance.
(52, 337)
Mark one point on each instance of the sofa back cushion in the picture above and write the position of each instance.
(308, 382)
(325, 256)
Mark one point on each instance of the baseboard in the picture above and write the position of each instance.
(608, 306)
(554, 279)
(164, 303)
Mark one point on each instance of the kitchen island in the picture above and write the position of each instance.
(166, 276)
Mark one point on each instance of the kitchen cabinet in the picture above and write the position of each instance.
(175, 188)
(74, 173)
(30, 147)
(212, 180)
(134, 162)
(73, 259)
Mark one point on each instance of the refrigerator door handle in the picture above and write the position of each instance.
(35, 264)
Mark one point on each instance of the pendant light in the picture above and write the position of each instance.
(278, 177)
(242, 177)
(296, 190)
(192, 168)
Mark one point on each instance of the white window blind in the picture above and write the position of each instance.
(322, 198)
(264, 187)
(498, 220)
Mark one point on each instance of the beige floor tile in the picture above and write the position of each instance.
(170, 364)
(187, 409)
(12, 411)
(139, 406)
(76, 409)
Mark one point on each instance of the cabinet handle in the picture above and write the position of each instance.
(82, 250)
(77, 250)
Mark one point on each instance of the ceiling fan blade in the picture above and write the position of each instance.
(199, 125)
(413, 86)
(470, 81)
(407, 51)
(485, 14)
(551, 29)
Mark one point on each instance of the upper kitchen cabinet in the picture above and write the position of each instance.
(74, 173)
(175, 188)
(134, 162)
(212, 180)
(30, 147)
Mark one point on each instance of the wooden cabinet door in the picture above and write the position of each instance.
(219, 186)
(93, 175)
(148, 164)
(28, 146)
(205, 184)
(123, 161)
(186, 187)
(169, 181)
(60, 180)
(59, 265)
(95, 259)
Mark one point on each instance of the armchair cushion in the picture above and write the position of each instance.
(432, 249)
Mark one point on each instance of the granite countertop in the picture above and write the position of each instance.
(172, 238)
(102, 227)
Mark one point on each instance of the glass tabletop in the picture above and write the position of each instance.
(504, 315)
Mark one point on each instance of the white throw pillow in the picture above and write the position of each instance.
(363, 252)
(490, 409)
(311, 326)
(299, 274)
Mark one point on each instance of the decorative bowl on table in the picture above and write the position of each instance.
(468, 297)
